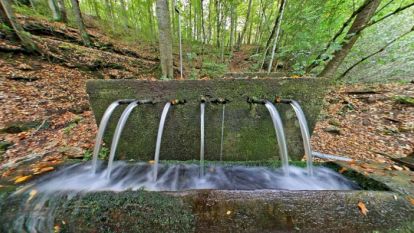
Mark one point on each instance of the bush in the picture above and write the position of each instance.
(213, 70)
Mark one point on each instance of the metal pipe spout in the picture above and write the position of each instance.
(178, 101)
(255, 100)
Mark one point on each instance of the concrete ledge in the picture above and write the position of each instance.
(220, 211)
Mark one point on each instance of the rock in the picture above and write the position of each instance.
(24, 67)
(366, 121)
(22, 77)
(72, 152)
(332, 130)
(4, 145)
(18, 127)
(334, 122)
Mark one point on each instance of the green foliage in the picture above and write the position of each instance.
(41, 10)
(103, 154)
(408, 100)
(213, 70)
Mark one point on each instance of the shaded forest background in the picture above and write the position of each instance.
(307, 37)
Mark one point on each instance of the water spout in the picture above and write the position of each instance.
(222, 133)
(305, 134)
(280, 135)
(159, 136)
(118, 131)
(102, 126)
(202, 110)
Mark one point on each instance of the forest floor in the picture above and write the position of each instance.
(45, 114)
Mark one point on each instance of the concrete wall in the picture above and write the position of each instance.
(248, 135)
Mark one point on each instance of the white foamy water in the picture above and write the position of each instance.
(36, 213)
(78, 178)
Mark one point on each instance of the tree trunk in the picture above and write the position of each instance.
(245, 25)
(62, 11)
(79, 21)
(54, 8)
(351, 37)
(124, 14)
(165, 40)
(10, 20)
(272, 34)
(217, 5)
(279, 23)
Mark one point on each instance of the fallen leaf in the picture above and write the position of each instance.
(43, 170)
(342, 170)
(362, 208)
(411, 200)
(21, 179)
(32, 194)
(397, 168)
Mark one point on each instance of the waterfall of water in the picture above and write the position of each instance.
(159, 136)
(305, 134)
(102, 126)
(280, 135)
(117, 134)
(202, 109)
(222, 132)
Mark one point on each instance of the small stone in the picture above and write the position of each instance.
(72, 152)
(397, 168)
(333, 130)
(334, 122)
(24, 67)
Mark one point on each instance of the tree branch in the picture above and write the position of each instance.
(316, 62)
(375, 53)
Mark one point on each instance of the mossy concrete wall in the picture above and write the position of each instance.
(217, 211)
(248, 134)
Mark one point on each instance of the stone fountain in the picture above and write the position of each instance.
(130, 198)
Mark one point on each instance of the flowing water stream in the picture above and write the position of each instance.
(280, 135)
(202, 110)
(159, 137)
(305, 134)
(118, 131)
(222, 132)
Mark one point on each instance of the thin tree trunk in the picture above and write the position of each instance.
(9, 18)
(165, 40)
(79, 21)
(54, 8)
(272, 34)
(232, 25)
(217, 4)
(351, 37)
(150, 15)
(95, 7)
(239, 42)
(124, 14)
(62, 10)
(279, 23)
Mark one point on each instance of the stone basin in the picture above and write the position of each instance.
(248, 134)
(230, 210)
